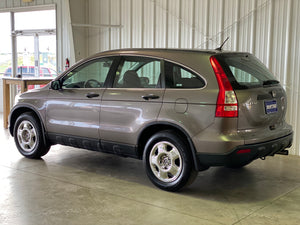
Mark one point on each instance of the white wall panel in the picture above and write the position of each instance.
(148, 24)
(214, 26)
(79, 10)
(104, 15)
(160, 23)
(115, 15)
(186, 24)
(201, 23)
(64, 35)
(262, 30)
(126, 30)
(137, 20)
(93, 33)
(173, 22)
(245, 24)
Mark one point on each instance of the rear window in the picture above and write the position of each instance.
(246, 71)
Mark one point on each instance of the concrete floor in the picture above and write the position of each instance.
(73, 186)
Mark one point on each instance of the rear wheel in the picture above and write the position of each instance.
(28, 136)
(168, 161)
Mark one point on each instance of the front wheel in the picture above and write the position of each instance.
(29, 137)
(168, 161)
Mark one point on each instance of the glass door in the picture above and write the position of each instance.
(35, 33)
(36, 55)
(47, 55)
(25, 50)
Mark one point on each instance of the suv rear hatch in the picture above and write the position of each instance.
(261, 99)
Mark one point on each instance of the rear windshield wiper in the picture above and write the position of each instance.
(269, 82)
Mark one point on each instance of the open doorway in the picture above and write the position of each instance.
(33, 48)
(35, 33)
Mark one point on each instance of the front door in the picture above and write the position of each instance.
(74, 110)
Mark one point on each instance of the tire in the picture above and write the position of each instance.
(168, 161)
(28, 136)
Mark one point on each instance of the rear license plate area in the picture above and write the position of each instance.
(270, 106)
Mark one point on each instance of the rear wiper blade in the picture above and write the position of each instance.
(268, 82)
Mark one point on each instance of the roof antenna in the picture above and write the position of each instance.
(220, 48)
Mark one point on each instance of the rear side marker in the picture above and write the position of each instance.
(242, 151)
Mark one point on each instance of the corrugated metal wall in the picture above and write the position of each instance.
(268, 28)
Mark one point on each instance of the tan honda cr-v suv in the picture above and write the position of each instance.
(181, 111)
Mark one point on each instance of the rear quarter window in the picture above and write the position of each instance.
(180, 77)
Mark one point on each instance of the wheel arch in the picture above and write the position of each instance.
(17, 111)
(155, 127)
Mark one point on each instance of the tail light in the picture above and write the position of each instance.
(227, 104)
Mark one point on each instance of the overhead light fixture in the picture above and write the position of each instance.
(27, 1)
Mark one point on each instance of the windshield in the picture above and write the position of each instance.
(246, 71)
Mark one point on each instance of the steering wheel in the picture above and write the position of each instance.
(92, 83)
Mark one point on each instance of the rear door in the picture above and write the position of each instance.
(134, 100)
(261, 98)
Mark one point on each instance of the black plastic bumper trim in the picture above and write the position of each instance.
(258, 150)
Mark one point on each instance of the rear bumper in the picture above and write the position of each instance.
(244, 154)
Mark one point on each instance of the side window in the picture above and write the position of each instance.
(89, 75)
(138, 72)
(179, 77)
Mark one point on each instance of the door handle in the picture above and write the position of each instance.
(92, 95)
(151, 96)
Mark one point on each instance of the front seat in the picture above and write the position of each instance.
(131, 80)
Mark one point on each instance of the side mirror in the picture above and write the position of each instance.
(55, 85)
